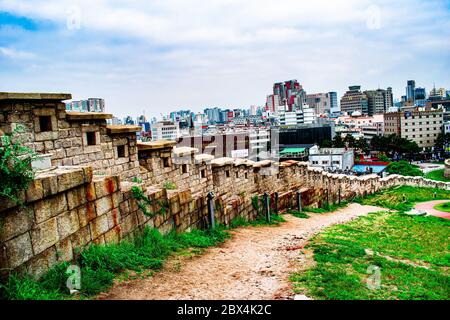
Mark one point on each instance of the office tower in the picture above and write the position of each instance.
(410, 88)
(354, 100)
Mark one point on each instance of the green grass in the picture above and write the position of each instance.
(393, 198)
(298, 214)
(445, 207)
(437, 175)
(341, 269)
(327, 207)
(101, 264)
(275, 219)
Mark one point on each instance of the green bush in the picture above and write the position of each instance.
(404, 168)
(15, 165)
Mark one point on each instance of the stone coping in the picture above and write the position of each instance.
(34, 96)
(155, 145)
(220, 162)
(200, 158)
(72, 115)
(115, 129)
(184, 151)
(263, 163)
(51, 182)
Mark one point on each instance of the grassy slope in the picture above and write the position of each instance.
(342, 263)
(437, 175)
(393, 198)
(341, 269)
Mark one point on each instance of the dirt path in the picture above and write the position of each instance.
(428, 207)
(254, 264)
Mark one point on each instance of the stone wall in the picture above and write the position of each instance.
(447, 169)
(71, 138)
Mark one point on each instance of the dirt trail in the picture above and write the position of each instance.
(254, 264)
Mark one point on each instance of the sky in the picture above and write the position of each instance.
(158, 56)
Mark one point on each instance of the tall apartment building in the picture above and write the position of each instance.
(379, 101)
(322, 102)
(333, 101)
(289, 93)
(354, 100)
(410, 89)
(89, 105)
(165, 130)
(423, 127)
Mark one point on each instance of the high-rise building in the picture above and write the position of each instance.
(379, 101)
(289, 93)
(410, 88)
(354, 100)
(333, 101)
(165, 130)
(320, 102)
(423, 127)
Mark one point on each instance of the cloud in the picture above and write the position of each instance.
(15, 54)
(164, 54)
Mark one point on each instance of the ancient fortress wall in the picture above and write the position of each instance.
(72, 205)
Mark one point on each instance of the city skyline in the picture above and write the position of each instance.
(159, 59)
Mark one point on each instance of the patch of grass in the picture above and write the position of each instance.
(401, 244)
(437, 175)
(445, 207)
(275, 219)
(403, 198)
(298, 214)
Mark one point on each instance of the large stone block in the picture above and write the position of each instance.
(47, 208)
(104, 205)
(68, 223)
(99, 226)
(15, 222)
(19, 250)
(76, 197)
(44, 235)
(64, 250)
(86, 214)
(35, 191)
(80, 239)
(70, 180)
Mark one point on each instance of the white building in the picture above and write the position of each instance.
(165, 130)
(331, 158)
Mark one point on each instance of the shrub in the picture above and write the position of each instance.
(15, 165)
(404, 168)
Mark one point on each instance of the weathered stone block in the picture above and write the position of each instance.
(76, 197)
(15, 222)
(68, 223)
(44, 235)
(35, 191)
(64, 250)
(103, 205)
(70, 180)
(51, 207)
(99, 226)
(86, 214)
(80, 238)
(19, 250)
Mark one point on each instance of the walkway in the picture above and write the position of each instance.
(429, 208)
(254, 264)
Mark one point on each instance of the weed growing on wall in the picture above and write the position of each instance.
(143, 202)
(15, 165)
(169, 185)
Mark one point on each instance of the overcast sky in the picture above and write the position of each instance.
(164, 55)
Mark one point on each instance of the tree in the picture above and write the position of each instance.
(326, 144)
(338, 142)
(404, 168)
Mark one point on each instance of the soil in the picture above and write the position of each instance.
(254, 264)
